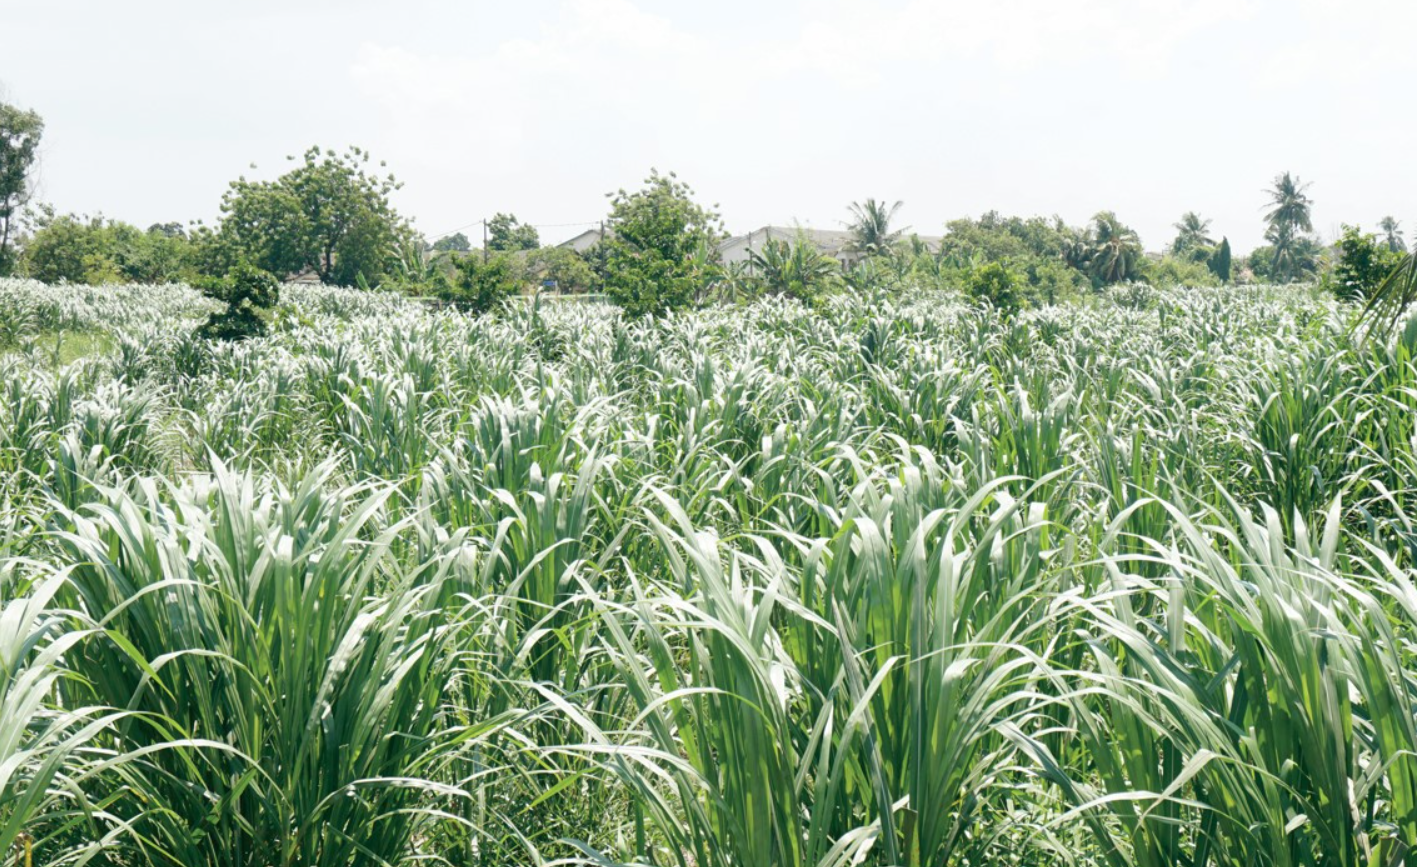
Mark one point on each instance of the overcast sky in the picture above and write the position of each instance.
(780, 111)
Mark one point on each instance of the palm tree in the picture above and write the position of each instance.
(1192, 234)
(871, 227)
(1116, 250)
(1392, 235)
(797, 270)
(1290, 213)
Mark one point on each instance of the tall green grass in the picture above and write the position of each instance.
(884, 581)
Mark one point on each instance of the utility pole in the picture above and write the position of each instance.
(485, 251)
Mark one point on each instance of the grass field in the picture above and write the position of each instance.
(893, 581)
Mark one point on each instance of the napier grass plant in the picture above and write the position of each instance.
(886, 579)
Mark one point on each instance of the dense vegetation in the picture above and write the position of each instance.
(878, 580)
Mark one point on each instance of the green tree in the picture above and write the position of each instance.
(1193, 240)
(481, 284)
(1288, 220)
(1219, 262)
(505, 234)
(1392, 235)
(330, 215)
(796, 270)
(74, 249)
(1361, 264)
(1116, 252)
(661, 247)
(20, 132)
(870, 227)
(455, 243)
(566, 268)
(249, 294)
(996, 284)
(1291, 206)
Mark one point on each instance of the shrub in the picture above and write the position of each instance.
(249, 294)
(480, 284)
(662, 250)
(1361, 264)
(996, 284)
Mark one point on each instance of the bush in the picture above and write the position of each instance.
(249, 294)
(1361, 265)
(662, 250)
(480, 284)
(1171, 271)
(996, 284)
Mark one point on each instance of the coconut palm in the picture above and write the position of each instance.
(870, 227)
(1192, 234)
(1392, 234)
(1116, 250)
(1290, 211)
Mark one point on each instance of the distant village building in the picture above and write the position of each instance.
(835, 243)
(582, 242)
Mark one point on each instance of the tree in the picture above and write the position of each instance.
(661, 248)
(796, 270)
(1115, 250)
(249, 294)
(870, 227)
(997, 285)
(20, 133)
(1291, 206)
(94, 250)
(1289, 219)
(456, 243)
(329, 214)
(1192, 238)
(566, 268)
(481, 284)
(1219, 262)
(1361, 265)
(1392, 235)
(505, 234)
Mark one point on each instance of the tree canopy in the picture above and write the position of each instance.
(661, 248)
(20, 132)
(506, 234)
(330, 215)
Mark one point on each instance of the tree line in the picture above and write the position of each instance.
(330, 218)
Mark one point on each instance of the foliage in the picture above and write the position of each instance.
(1115, 253)
(505, 234)
(481, 283)
(877, 580)
(565, 268)
(20, 132)
(1193, 241)
(1392, 235)
(795, 270)
(661, 250)
(1220, 263)
(1361, 264)
(1289, 220)
(997, 285)
(329, 215)
(1175, 270)
(249, 295)
(94, 250)
(454, 243)
(870, 228)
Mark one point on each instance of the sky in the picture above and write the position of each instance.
(780, 112)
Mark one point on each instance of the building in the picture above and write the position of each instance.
(835, 243)
(582, 242)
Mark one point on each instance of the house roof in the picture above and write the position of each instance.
(829, 241)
